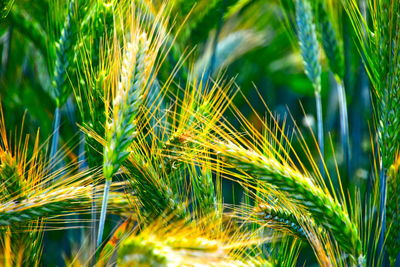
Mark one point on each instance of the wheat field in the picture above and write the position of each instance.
(200, 133)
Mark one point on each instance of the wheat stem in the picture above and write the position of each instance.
(55, 138)
(393, 212)
(103, 212)
(320, 131)
(344, 124)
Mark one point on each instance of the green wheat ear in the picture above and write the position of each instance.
(121, 130)
(64, 56)
(307, 36)
(55, 202)
(324, 209)
(306, 33)
(331, 43)
(65, 47)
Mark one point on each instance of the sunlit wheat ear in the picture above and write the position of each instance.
(393, 212)
(178, 245)
(323, 208)
(121, 130)
(10, 177)
(306, 33)
(47, 204)
(66, 200)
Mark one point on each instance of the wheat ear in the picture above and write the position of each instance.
(10, 177)
(64, 57)
(170, 250)
(121, 130)
(306, 33)
(333, 47)
(59, 201)
(323, 208)
(42, 205)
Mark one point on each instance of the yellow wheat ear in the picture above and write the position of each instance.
(160, 243)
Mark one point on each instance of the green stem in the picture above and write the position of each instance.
(55, 138)
(103, 212)
(344, 124)
(382, 213)
(320, 129)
